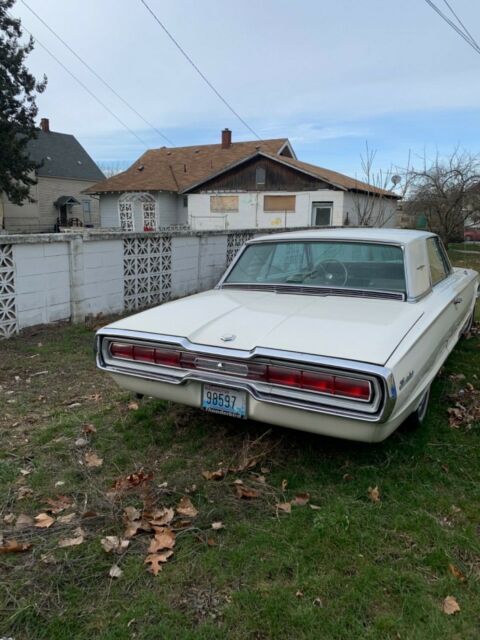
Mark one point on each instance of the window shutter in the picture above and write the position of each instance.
(279, 203)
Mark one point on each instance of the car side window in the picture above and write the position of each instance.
(439, 269)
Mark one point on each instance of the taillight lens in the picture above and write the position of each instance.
(284, 375)
(352, 388)
(120, 350)
(167, 357)
(143, 354)
(321, 382)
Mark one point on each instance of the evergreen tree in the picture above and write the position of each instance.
(18, 109)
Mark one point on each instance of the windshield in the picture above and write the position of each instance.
(349, 265)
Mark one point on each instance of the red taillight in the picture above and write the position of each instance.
(352, 388)
(143, 354)
(167, 357)
(284, 375)
(120, 350)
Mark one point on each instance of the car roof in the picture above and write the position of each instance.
(367, 234)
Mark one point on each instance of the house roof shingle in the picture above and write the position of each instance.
(182, 168)
(62, 157)
(174, 169)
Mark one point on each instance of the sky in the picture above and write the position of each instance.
(330, 76)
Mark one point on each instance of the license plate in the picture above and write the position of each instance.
(230, 402)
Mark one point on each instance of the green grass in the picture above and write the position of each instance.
(350, 569)
(464, 246)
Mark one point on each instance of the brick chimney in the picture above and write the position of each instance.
(226, 138)
(45, 125)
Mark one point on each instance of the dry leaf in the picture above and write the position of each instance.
(264, 469)
(315, 507)
(456, 573)
(9, 518)
(132, 513)
(161, 517)
(450, 606)
(216, 526)
(24, 492)
(56, 505)
(163, 539)
(186, 508)
(284, 506)
(284, 484)
(44, 521)
(214, 475)
(92, 459)
(81, 442)
(89, 428)
(24, 520)
(155, 560)
(115, 571)
(347, 477)
(67, 519)
(211, 542)
(78, 538)
(374, 494)
(114, 543)
(301, 499)
(25, 472)
(244, 492)
(132, 406)
(299, 594)
(12, 546)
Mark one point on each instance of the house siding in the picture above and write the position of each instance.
(42, 214)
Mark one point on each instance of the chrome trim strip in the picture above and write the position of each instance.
(381, 376)
(320, 290)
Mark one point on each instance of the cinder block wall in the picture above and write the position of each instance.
(49, 277)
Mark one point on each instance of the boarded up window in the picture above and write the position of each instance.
(221, 204)
(279, 203)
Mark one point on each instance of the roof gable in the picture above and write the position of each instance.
(62, 156)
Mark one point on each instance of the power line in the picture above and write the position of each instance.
(97, 75)
(461, 23)
(461, 33)
(185, 54)
(70, 73)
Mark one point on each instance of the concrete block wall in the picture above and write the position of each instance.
(50, 277)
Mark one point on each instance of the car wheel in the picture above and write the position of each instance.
(417, 418)
(466, 329)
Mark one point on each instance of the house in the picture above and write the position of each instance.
(237, 185)
(65, 171)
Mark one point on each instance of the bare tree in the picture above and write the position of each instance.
(447, 192)
(373, 198)
(110, 169)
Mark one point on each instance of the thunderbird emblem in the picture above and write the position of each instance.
(228, 337)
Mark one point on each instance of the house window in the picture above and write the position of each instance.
(185, 201)
(322, 214)
(87, 211)
(223, 204)
(260, 176)
(125, 210)
(149, 216)
(279, 203)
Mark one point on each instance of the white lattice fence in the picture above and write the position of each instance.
(8, 312)
(147, 271)
(235, 242)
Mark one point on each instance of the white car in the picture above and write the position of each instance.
(338, 332)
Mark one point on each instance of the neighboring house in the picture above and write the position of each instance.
(59, 200)
(240, 185)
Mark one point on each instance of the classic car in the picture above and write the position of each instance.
(338, 332)
(471, 234)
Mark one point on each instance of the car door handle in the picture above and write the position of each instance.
(457, 300)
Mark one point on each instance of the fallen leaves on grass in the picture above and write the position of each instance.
(77, 538)
(24, 521)
(160, 517)
(163, 538)
(301, 499)
(216, 526)
(374, 494)
(155, 560)
(284, 485)
(93, 460)
(44, 521)
(466, 409)
(244, 492)
(214, 475)
(137, 481)
(285, 506)
(135, 522)
(115, 571)
(89, 428)
(456, 573)
(9, 518)
(66, 519)
(450, 606)
(24, 492)
(132, 406)
(57, 505)
(186, 508)
(13, 546)
(114, 543)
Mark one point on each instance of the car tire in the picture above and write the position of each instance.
(417, 418)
